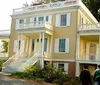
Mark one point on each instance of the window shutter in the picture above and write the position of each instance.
(24, 20)
(17, 23)
(15, 49)
(66, 67)
(67, 45)
(50, 19)
(56, 45)
(22, 45)
(68, 19)
(57, 20)
(31, 19)
(55, 65)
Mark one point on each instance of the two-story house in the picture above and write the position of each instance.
(63, 33)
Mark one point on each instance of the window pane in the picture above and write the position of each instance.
(32, 45)
(63, 20)
(45, 44)
(61, 45)
(61, 67)
(34, 19)
(41, 18)
(46, 18)
(19, 44)
(21, 21)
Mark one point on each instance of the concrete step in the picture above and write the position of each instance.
(16, 66)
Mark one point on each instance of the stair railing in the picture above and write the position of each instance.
(10, 60)
(31, 61)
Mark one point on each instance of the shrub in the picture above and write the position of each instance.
(49, 74)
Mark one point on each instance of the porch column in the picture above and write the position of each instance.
(78, 47)
(43, 37)
(27, 46)
(51, 41)
(77, 69)
(39, 47)
(99, 49)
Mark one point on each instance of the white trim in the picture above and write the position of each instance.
(45, 7)
(31, 31)
(88, 62)
(67, 60)
(48, 13)
(89, 33)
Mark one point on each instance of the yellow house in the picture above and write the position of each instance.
(63, 33)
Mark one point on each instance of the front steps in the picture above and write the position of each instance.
(16, 65)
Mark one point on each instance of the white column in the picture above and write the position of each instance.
(43, 37)
(78, 47)
(39, 47)
(99, 49)
(77, 69)
(51, 41)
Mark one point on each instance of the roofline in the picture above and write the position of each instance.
(87, 11)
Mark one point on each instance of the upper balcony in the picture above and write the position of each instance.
(49, 6)
(40, 25)
(89, 27)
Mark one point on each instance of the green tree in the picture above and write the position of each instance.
(5, 45)
(93, 6)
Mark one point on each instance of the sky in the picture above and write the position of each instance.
(6, 9)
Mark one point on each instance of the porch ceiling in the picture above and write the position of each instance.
(91, 38)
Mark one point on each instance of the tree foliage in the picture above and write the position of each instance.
(93, 6)
(5, 45)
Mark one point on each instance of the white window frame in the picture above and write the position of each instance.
(56, 49)
(56, 66)
(58, 20)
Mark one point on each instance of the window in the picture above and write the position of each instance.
(63, 20)
(62, 45)
(45, 44)
(19, 44)
(41, 18)
(61, 66)
(21, 21)
(34, 19)
(33, 45)
(47, 18)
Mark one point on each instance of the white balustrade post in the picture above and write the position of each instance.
(99, 49)
(43, 37)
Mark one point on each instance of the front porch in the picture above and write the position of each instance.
(88, 48)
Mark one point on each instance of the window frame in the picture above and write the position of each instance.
(62, 18)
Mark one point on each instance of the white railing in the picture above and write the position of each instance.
(88, 57)
(3, 55)
(11, 60)
(49, 6)
(89, 27)
(40, 24)
(31, 61)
